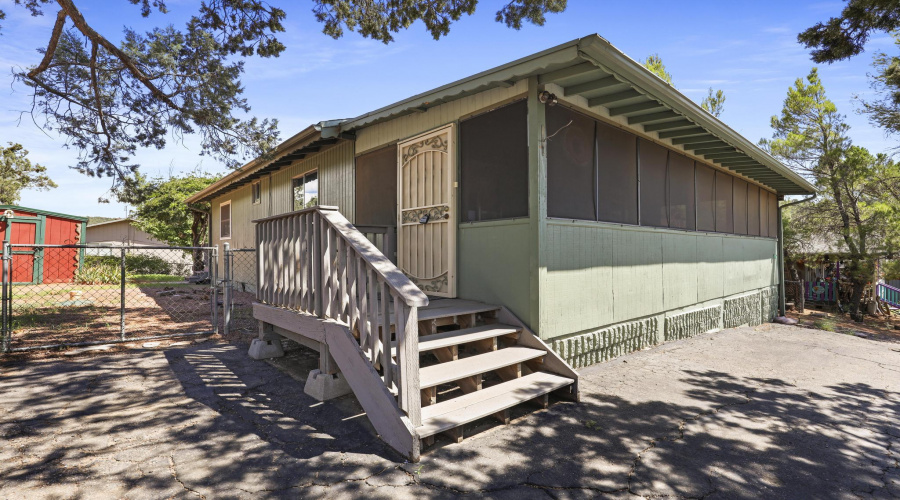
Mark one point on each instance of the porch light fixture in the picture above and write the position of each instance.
(548, 98)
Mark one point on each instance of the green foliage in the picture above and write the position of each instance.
(714, 102)
(135, 263)
(160, 207)
(97, 220)
(655, 64)
(380, 19)
(845, 36)
(892, 269)
(98, 272)
(18, 173)
(110, 99)
(859, 210)
(884, 110)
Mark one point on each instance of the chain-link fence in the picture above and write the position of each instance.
(73, 295)
(239, 290)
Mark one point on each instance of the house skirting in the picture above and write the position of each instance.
(749, 308)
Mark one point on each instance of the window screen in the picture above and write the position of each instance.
(773, 216)
(753, 210)
(494, 164)
(376, 188)
(763, 212)
(653, 159)
(681, 191)
(706, 198)
(724, 203)
(570, 165)
(740, 206)
(225, 220)
(616, 150)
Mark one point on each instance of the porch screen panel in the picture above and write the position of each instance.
(724, 203)
(376, 188)
(753, 210)
(773, 216)
(706, 198)
(570, 165)
(493, 173)
(617, 170)
(763, 212)
(681, 192)
(740, 206)
(653, 159)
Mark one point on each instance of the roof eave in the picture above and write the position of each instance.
(308, 133)
(604, 55)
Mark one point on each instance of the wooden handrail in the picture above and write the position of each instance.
(399, 282)
(317, 208)
(313, 260)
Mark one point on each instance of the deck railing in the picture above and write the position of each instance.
(888, 294)
(316, 262)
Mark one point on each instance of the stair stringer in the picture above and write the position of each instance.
(392, 425)
(553, 362)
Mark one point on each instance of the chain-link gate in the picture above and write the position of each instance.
(77, 295)
(239, 291)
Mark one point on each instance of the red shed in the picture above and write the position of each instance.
(29, 226)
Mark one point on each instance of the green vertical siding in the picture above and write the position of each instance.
(601, 274)
(493, 263)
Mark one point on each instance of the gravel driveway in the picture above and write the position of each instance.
(765, 412)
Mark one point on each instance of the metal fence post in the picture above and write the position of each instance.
(5, 272)
(214, 283)
(122, 298)
(227, 290)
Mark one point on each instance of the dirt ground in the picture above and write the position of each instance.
(879, 328)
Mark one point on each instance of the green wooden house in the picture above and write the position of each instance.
(466, 249)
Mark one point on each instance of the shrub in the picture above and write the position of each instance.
(142, 263)
(138, 263)
(98, 272)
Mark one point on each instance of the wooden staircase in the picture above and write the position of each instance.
(473, 366)
(418, 366)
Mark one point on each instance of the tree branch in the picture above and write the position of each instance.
(51, 46)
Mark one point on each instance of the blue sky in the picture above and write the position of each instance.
(748, 49)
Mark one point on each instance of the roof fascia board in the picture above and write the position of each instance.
(41, 212)
(603, 54)
(307, 135)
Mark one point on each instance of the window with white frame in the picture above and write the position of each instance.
(306, 190)
(256, 192)
(225, 220)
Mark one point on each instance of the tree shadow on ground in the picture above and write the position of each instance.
(216, 421)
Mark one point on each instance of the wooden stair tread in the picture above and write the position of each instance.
(442, 373)
(443, 308)
(479, 404)
(457, 337)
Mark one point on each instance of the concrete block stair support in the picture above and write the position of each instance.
(265, 349)
(325, 386)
